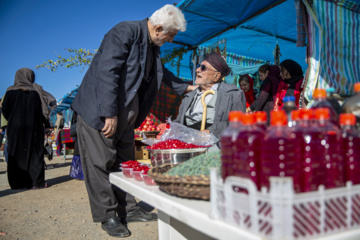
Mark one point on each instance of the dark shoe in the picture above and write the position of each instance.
(140, 215)
(115, 228)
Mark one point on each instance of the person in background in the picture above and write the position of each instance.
(291, 83)
(113, 99)
(270, 75)
(59, 124)
(227, 97)
(247, 85)
(3, 128)
(26, 107)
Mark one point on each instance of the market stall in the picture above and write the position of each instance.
(64, 142)
(181, 218)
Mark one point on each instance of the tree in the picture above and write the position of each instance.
(82, 58)
(78, 58)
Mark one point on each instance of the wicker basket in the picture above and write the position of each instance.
(195, 187)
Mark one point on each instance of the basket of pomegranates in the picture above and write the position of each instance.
(147, 128)
(173, 151)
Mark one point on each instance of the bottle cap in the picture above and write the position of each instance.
(305, 114)
(347, 119)
(357, 87)
(295, 115)
(319, 93)
(260, 116)
(289, 99)
(278, 118)
(235, 116)
(330, 90)
(322, 113)
(248, 119)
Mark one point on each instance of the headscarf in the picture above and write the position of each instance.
(296, 73)
(25, 79)
(275, 78)
(250, 95)
(219, 63)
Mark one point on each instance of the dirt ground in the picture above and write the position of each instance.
(60, 211)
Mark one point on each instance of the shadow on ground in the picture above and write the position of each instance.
(51, 182)
(57, 165)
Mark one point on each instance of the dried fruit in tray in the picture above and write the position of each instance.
(174, 144)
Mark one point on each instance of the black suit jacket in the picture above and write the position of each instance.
(116, 75)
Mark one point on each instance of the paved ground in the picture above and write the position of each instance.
(59, 212)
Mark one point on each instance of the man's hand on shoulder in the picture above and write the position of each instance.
(110, 126)
(191, 88)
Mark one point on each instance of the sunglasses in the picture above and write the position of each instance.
(203, 68)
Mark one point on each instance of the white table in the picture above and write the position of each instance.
(181, 218)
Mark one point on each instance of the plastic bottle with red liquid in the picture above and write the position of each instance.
(311, 151)
(351, 147)
(332, 142)
(288, 107)
(280, 152)
(330, 97)
(227, 141)
(295, 118)
(261, 120)
(320, 101)
(247, 149)
(352, 104)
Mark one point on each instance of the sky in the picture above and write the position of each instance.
(32, 32)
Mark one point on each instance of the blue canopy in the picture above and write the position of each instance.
(251, 28)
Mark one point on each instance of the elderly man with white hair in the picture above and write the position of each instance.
(226, 97)
(114, 98)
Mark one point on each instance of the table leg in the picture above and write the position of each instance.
(172, 229)
(64, 152)
(163, 225)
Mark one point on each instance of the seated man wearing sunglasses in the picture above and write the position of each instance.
(227, 97)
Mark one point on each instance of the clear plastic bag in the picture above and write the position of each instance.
(184, 134)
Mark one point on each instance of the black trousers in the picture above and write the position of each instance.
(100, 156)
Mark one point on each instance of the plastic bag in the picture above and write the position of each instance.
(185, 134)
(76, 169)
(48, 151)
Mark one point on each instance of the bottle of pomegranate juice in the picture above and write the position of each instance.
(351, 147)
(334, 161)
(320, 101)
(247, 149)
(261, 120)
(280, 152)
(311, 151)
(227, 140)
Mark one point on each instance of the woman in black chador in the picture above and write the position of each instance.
(26, 107)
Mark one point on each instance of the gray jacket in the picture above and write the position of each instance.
(116, 75)
(229, 98)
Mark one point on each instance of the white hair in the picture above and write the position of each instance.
(170, 18)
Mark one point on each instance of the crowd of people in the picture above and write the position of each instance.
(114, 98)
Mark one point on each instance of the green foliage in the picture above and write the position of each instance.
(78, 58)
(82, 58)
